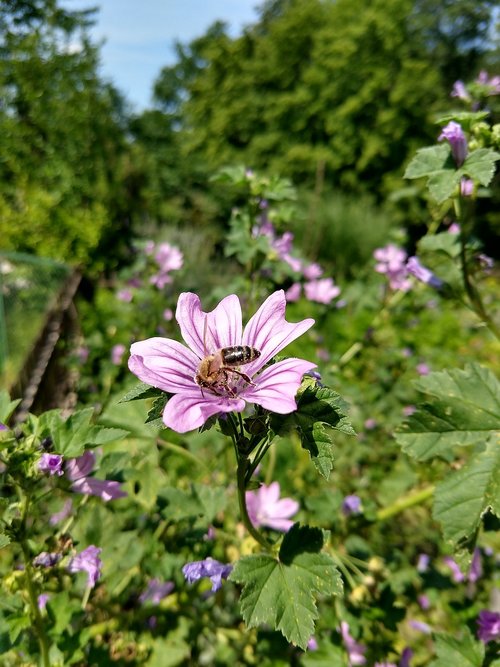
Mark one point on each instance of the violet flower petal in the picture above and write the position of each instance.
(188, 411)
(164, 363)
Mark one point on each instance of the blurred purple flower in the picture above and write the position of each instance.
(117, 353)
(355, 651)
(155, 591)
(208, 567)
(466, 187)
(423, 563)
(3, 427)
(351, 505)
(391, 261)
(124, 295)
(476, 566)
(62, 514)
(408, 410)
(423, 369)
(422, 273)
(385, 664)
(42, 600)
(406, 656)
(456, 573)
(420, 626)
(486, 263)
(168, 257)
(454, 134)
(265, 508)
(312, 644)
(77, 470)
(323, 290)
(149, 247)
(312, 271)
(454, 228)
(82, 353)
(51, 463)
(168, 314)
(370, 424)
(424, 602)
(293, 292)
(87, 561)
(460, 91)
(488, 623)
(173, 367)
(47, 559)
(493, 83)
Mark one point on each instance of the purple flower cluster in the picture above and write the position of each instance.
(489, 86)
(356, 652)
(78, 471)
(351, 505)
(265, 508)
(320, 290)
(155, 591)
(87, 561)
(395, 264)
(173, 367)
(47, 559)
(117, 353)
(209, 567)
(488, 623)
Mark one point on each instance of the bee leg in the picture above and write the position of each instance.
(242, 375)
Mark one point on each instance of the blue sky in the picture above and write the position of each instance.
(140, 34)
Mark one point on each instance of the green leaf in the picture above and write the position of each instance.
(282, 591)
(140, 392)
(465, 411)
(317, 407)
(16, 624)
(4, 540)
(480, 165)
(7, 406)
(156, 411)
(462, 498)
(462, 652)
(436, 163)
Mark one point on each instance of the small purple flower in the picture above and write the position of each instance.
(476, 567)
(454, 228)
(424, 602)
(406, 656)
(293, 293)
(408, 410)
(385, 664)
(355, 651)
(422, 273)
(492, 85)
(423, 369)
(82, 353)
(312, 644)
(87, 561)
(168, 257)
(51, 463)
(173, 367)
(77, 470)
(488, 623)
(3, 427)
(391, 261)
(456, 573)
(370, 424)
(486, 262)
(351, 505)
(312, 271)
(168, 314)
(47, 559)
(423, 562)
(124, 295)
(42, 600)
(466, 187)
(460, 91)
(321, 291)
(454, 134)
(266, 508)
(62, 514)
(208, 567)
(117, 353)
(155, 591)
(420, 626)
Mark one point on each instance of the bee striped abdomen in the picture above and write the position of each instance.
(239, 355)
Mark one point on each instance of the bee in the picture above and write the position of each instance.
(214, 369)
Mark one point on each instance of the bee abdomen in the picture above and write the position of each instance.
(238, 355)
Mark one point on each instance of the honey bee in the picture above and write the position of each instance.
(214, 369)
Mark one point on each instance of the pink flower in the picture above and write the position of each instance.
(293, 292)
(355, 651)
(454, 228)
(454, 134)
(77, 470)
(87, 561)
(168, 257)
(124, 295)
(460, 91)
(173, 367)
(391, 260)
(312, 271)
(265, 508)
(321, 291)
(117, 353)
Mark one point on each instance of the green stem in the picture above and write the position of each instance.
(404, 503)
(28, 571)
(242, 469)
(181, 451)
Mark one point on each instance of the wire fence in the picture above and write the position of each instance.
(29, 290)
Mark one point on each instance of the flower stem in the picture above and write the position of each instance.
(241, 473)
(404, 503)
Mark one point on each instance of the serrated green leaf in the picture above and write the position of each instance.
(443, 243)
(480, 165)
(462, 498)
(328, 655)
(317, 407)
(465, 118)
(462, 652)
(429, 160)
(442, 184)
(282, 591)
(140, 392)
(181, 504)
(16, 624)
(101, 435)
(4, 540)
(465, 412)
(157, 408)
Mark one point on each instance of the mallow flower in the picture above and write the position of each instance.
(87, 561)
(488, 626)
(266, 508)
(175, 368)
(78, 471)
(454, 134)
(209, 567)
